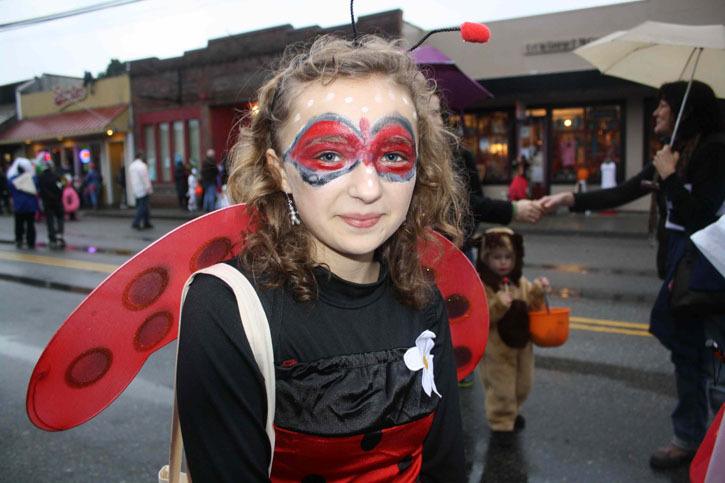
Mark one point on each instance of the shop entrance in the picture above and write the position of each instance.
(115, 154)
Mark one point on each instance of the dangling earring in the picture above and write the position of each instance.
(293, 215)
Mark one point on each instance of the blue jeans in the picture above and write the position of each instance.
(142, 212)
(209, 197)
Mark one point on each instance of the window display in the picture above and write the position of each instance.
(487, 136)
(583, 138)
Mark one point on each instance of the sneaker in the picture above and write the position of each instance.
(519, 423)
(135, 227)
(670, 456)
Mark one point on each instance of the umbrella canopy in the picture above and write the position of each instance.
(458, 90)
(654, 53)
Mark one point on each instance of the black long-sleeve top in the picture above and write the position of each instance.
(220, 391)
(693, 209)
(483, 209)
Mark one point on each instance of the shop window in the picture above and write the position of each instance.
(179, 142)
(165, 152)
(583, 138)
(150, 143)
(194, 144)
(532, 145)
(487, 136)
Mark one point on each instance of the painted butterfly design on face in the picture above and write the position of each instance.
(330, 146)
(104, 342)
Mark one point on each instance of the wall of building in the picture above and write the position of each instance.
(102, 93)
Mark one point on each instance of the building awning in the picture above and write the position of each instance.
(64, 125)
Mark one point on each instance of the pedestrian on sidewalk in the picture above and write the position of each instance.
(23, 189)
(142, 189)
(51, 193)
(121, 181)
(92, 187)
(519, 187)
(192, 182)
(691, 192)
(71, 200)
(4, 191)
(180, 181)
(507, 368)
(209, 175)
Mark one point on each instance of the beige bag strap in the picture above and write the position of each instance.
(256, 327)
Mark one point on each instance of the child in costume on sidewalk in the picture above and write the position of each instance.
(508, 367)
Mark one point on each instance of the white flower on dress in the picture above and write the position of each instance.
(420, 357)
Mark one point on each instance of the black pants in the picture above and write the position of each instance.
(54, 218)
(25, 228)
(142, 212)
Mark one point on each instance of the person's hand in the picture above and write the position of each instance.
(665, 161)
(506, 298)
(527, 211)
(544, 282)
(551, 202)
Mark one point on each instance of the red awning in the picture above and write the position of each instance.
(67, 124)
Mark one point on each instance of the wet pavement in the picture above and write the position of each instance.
(599, 405)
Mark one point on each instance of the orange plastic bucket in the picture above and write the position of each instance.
(549, 329)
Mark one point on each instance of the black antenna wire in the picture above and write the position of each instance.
(352, 21)
(450, 29)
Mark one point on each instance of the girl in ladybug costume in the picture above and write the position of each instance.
(344, 167)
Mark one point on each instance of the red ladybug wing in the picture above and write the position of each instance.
(465, 297)
(102, 345)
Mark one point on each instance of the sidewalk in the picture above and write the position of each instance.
(621, 224)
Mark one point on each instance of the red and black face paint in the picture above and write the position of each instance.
(330, 146)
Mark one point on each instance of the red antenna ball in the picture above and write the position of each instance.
(475, 32)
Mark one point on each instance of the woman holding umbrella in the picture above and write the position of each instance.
(691, 191)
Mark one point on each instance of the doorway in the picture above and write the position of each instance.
(115, 153)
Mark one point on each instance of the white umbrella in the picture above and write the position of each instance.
(654, 53)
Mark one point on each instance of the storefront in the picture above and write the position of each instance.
(551, 106)
(82, 126)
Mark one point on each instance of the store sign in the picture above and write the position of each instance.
(556, 46)
(64, 97)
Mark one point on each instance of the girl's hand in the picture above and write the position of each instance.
(665, 161)
(506, 298)
(551, 202)
(544, 282)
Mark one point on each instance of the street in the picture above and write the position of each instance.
(600, 404)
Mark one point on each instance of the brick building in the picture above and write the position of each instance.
(182, 106)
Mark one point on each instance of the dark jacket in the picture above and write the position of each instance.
(209, 172)
(50, 189)
(483, 209)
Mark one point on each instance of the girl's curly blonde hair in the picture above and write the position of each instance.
(282, 252)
